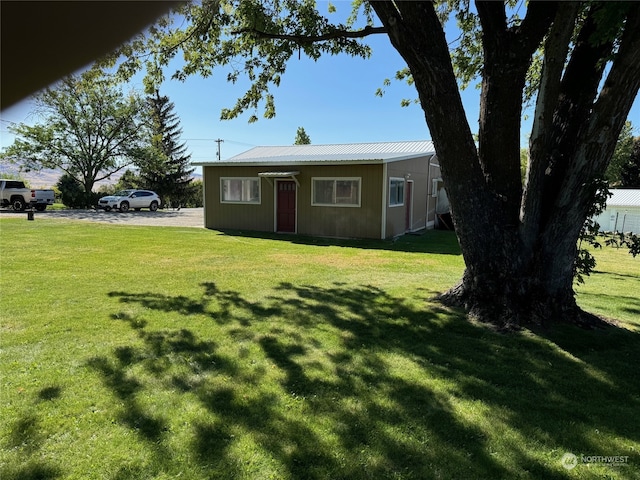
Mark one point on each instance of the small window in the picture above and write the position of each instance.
(240, 190)
(336, 192)
(396, 192)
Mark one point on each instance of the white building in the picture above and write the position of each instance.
(622, 213)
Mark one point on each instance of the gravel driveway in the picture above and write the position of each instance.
(185, 217)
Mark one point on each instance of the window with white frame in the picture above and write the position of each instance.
(240, 190)
(396, 192)
(335, 192)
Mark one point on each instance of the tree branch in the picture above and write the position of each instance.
(493, 20)
(556, 48)
(536, 23)
(507, 55)
(600, 125)
(306, 39)
(610, 110)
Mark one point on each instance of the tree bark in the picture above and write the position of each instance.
(519, 245)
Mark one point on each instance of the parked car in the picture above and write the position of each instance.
(14, 193)
(126, 199)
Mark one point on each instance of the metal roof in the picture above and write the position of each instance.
(381, 152)
(624, 198)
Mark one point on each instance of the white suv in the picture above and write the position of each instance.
(126, 199)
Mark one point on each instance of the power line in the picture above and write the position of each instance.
(214, 139)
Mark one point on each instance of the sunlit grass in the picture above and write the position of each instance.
(614, 288)
(157, 353)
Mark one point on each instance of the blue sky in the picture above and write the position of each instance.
(333, 99)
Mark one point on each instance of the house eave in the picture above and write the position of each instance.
(313, 162)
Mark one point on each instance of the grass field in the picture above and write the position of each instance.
(162, 353)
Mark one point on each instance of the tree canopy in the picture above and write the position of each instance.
(301, 137)
(89, 129)
(577, 62)
(242, 38)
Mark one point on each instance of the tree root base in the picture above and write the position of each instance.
(532, 311)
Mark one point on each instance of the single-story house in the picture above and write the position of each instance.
(622, 213)
(364, 190)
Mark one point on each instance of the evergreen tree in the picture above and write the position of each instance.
(71, 192)
(128, 180)
(166, 166)
(630, 171)
(301, 137)
(621, 155)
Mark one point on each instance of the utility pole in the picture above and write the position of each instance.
(219, 141)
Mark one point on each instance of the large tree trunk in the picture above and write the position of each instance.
(519, 244)
(507, 289)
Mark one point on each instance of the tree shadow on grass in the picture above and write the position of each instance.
(26, 436)
(30, 470)
(344, 382)
(429, 241)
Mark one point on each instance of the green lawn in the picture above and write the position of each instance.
(162, 353)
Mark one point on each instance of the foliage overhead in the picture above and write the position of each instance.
(256, 39)
(249, 37)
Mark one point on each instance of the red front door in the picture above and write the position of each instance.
(286, 206)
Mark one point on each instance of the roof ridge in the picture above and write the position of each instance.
(343, 144)
(624, 197)
(324, 153)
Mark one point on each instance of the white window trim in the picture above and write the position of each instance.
(257, 179)
(341, 205)
(404, 184)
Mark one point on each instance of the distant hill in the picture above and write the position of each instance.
(43, 179)
(48, 178)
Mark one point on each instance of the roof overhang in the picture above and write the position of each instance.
(288, 174)
(297, 162)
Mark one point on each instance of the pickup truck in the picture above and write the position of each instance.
(15, 194)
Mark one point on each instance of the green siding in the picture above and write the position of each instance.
(364, 221)
(236, 216)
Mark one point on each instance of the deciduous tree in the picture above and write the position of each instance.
(580, 61)
(88, 128)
